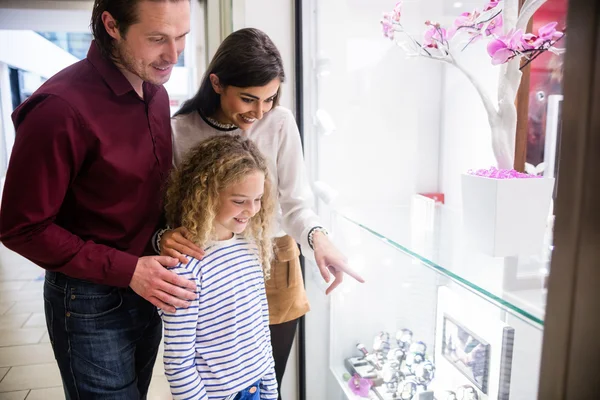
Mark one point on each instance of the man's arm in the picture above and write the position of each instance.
(50, 148)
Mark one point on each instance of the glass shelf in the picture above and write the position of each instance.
(422, 275)
(433, 236)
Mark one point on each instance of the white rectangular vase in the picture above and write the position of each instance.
(506, 217)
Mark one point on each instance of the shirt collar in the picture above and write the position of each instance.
(113, 77)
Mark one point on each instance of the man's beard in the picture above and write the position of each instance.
(127, 61)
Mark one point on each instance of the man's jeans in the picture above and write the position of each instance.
(105, 339)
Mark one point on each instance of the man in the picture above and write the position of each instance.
(83, 197)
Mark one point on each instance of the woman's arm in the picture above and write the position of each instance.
(296, 200)
(293, 187)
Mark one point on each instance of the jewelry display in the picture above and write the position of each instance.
(398, 373)
(401, 371)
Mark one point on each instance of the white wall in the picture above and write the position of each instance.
(385, 107)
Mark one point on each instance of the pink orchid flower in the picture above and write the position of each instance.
(470, 19)
(549, 32)
(530, 41)
(504, 48)
(467, 18)
(360, 386)
(434, 35)
(492, 4)
(495, 26)
(387, 25)
(397, 12)
(463, 20)
(546, 33)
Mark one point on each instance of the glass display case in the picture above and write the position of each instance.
(436, 319)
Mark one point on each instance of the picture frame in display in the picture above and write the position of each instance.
(467, 352)
(466, 326)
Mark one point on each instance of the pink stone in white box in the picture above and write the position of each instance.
(506, 217)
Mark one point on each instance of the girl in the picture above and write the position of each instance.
(239, 94)
(219, 347)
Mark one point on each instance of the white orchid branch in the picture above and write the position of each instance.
(505, 27)
(488, 104)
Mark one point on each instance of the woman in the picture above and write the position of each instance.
(239, 94)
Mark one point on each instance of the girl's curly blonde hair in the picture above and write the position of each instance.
(192, 198)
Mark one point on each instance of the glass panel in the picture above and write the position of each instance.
(435, 237)
(389, 140)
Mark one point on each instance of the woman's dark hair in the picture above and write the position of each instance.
(125, 13)
(246, 58)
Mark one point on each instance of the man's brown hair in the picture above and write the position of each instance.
(125, 14)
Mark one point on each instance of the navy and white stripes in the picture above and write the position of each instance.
(221, 344)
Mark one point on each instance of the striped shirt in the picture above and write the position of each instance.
(221, 344)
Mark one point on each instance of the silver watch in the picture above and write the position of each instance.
(312, 232)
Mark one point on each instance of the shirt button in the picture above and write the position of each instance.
(68, 314)
(252, 390)
(72, 297)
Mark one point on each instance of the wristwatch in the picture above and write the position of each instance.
(158, 237)
(312, 232)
